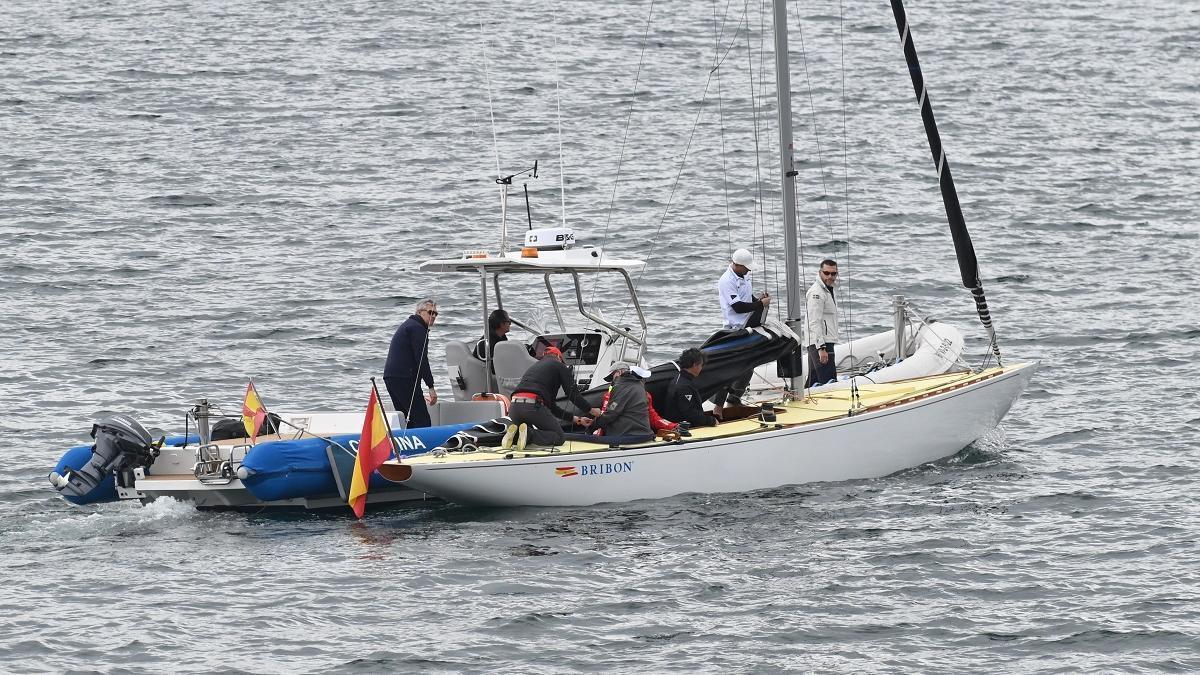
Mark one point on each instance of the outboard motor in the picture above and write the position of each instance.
(122, 445)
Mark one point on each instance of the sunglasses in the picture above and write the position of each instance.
(430, 312)
(829, 274)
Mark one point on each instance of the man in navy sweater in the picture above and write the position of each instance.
(408, 361)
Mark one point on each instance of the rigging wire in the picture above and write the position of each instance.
(718, 32)
(846, 306)
(621, 157)
(562, 167)
(687, 148)
(820, 161)
(758, 181)
(487, 76)
(683, 159)
(816, 132)
(765, 196)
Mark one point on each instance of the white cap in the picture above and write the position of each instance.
(619, 365)
(639, 371)
(743, 257)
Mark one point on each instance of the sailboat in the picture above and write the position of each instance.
(866, 428)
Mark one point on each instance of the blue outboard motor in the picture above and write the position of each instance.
(122, 445)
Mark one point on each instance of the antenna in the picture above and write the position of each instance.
(504, 182)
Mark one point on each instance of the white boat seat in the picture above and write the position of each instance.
(511, 359)
(468, 375)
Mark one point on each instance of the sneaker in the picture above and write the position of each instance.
(522, 436)
(509, 434)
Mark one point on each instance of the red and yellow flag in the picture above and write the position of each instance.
(253, 412)
(374, 448)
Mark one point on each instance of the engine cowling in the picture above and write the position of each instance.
(122, 445)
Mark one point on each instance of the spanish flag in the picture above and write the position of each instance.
(253, 412)
(374, 448)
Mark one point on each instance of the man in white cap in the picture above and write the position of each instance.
(739, 307)
(627, 417)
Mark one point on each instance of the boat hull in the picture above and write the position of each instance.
(871, 444)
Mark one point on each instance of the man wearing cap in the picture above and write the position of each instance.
(739, 307)
(627, 416)
(533, 410)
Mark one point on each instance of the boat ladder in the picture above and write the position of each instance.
(214, 468)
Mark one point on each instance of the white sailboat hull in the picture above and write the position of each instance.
(869, 445)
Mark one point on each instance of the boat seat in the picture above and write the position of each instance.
(468, 375)
(511, 359)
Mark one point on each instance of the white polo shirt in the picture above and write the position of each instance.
(730, 289)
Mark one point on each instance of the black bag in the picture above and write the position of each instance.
(231, 428)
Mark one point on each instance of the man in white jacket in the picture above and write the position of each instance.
(740, 308)
(822, 325)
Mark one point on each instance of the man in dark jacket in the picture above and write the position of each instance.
(683, 399)
(627, 417)
(533, 410)
(499, 324)
(408, 361)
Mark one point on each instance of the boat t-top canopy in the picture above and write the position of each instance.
(583, 259)
(550, 262)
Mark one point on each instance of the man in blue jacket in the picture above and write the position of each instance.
(408, 361)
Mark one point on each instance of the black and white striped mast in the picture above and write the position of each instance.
(968, 265)
(787, 171)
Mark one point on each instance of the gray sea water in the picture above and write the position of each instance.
(192, 194)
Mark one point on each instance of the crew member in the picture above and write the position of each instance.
(408, 362)
(683, 398)
(499, 324)
(740, 308)
(626, 418)
(822, 325)
(533, 410)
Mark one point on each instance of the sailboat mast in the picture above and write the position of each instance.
(787, 171)
(964, 250)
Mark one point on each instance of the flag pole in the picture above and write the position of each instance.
(391, 437)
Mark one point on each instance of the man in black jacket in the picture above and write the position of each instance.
(499, 324)
(533, 410)
(683, 399)
(408, 361)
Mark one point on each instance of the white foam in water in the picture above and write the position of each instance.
(103, 520)
(165, 508)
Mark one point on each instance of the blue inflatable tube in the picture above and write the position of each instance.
(296, 469)
(77, 458)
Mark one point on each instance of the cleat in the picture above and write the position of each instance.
(522, 436)
(509, 434)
